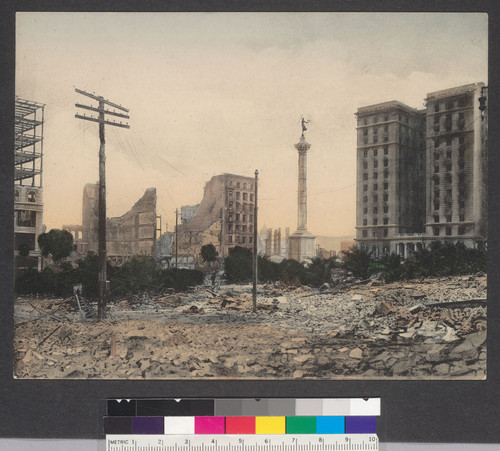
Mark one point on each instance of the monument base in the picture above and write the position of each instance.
(302, 246)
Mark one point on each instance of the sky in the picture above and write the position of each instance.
(214, 93)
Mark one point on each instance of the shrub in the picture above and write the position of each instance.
(319, 271)
(58, 243)
(292, 272)
(357, 260)
(238, 264)
(209, 253)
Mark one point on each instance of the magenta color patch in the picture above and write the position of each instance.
(209, 425)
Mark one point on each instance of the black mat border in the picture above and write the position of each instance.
(412, 411)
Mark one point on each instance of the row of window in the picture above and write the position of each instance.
(238, 195)
(461, 206)
(239, 185)
(450, 104)
(448, 166)
(240, 217)
(375, 119)
(375, 234)
(239, 239)
(375, 209)
(375, 221)
(449, 178)
(375, 163)
(238, 228)
(31, 197)
(375, 199)
(448, 231)
(449, 141)
(448, 218)
(375, 186)
(449, 155)
(448, 123)
(238, 206)
(375, 175)
(385, 129)
(25, 218)
(375, 152)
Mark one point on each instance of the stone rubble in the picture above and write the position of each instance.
(429, 329)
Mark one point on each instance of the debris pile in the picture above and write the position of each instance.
(434, 328)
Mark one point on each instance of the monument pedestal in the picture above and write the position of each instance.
(302, 246)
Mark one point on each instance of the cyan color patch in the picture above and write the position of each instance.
(330, 425)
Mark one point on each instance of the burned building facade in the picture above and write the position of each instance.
(421, 174)
(133, 233)
(223, 218)
(28, 191)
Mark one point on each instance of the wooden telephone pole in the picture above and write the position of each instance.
(102, 121)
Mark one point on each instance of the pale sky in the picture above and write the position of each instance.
(211, 93)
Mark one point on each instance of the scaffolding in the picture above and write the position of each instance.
(28, 144)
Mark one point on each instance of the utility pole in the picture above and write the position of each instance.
(176, 241)
(255, 208)
(102, 120)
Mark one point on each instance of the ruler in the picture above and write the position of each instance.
(258, 442)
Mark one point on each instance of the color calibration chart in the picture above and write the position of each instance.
(275, 424)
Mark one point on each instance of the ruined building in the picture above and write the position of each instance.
(133, 233)
(28, 192)
(421, 174)
(224, 218)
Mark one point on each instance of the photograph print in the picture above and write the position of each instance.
(266, 196)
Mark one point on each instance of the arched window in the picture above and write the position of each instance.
(31, 196)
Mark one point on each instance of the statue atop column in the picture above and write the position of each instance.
(304, 122)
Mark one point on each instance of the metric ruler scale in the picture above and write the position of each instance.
(263, 442)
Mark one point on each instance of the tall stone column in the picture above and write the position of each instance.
(302, 245)
(302, 146)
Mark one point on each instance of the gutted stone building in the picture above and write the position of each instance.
(223, 218)
(421, 174)
(133, 233)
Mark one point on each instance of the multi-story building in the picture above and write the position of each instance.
(390, 174)
(421, 174)
(224, 217)
(456, 186)
(28, 192)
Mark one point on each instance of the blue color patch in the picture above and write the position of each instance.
(330, 425)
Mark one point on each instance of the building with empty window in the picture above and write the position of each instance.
(421, 174)
(133, 233)
(28, 192)
(223, 218)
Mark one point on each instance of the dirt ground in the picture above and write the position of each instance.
(430, 329)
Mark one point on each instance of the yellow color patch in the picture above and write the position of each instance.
(270, 425)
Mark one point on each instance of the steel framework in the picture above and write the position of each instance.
(28, 144)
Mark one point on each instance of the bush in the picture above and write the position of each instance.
(238, 265)
(292, 272)
(180, 279)
(58, 243)
(319, 271)
(209, 253)
(357, 260)
(268, 270)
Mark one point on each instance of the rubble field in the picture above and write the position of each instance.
(428, 329)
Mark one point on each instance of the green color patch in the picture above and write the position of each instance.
(301, 425)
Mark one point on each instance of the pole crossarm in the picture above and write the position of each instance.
(97, 110)
(93, 119)
(101, 99)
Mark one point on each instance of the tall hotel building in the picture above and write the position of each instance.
(422, 174)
